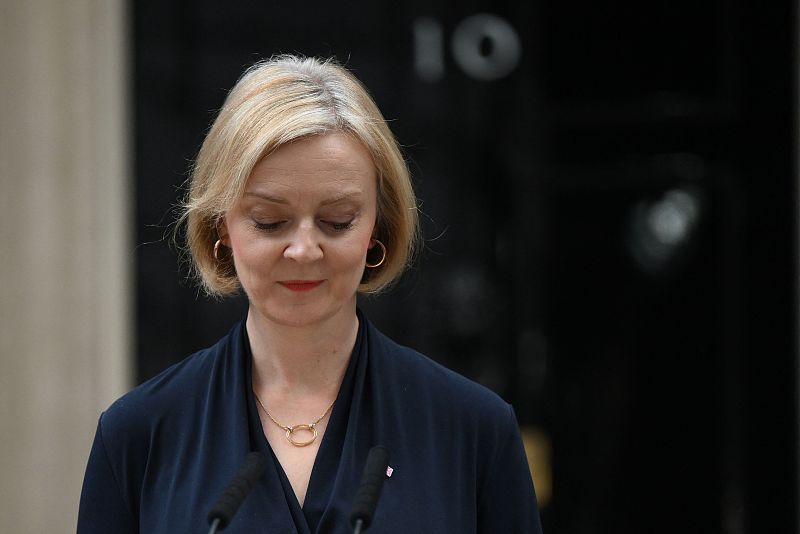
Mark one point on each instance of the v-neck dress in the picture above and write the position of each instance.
(164, 452)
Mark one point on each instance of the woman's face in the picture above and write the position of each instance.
(301, 231)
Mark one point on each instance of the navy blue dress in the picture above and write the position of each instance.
(164, 452)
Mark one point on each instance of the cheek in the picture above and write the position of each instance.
(363, 245)
(350, 257)
(251, 255)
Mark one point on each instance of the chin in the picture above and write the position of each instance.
(301, 315)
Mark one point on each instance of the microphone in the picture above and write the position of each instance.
(370, 489)
(236, 492)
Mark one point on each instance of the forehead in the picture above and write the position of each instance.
(325, 163)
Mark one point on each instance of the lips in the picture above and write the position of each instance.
(300, 285)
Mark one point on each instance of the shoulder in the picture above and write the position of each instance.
(422, 378)
(473, 425)
(167, 399)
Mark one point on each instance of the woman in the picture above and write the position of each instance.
(300, 198)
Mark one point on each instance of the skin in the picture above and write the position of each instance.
(308, 215)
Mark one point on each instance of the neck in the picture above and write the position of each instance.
(297, 361)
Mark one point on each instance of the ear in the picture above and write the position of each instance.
(222, 232)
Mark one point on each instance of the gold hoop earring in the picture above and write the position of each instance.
(216, 249)
(383, 257)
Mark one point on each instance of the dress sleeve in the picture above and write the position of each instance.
(507, 501)
(103, 508)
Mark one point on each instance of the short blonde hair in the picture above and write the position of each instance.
(275, 102)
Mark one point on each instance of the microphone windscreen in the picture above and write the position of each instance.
(238, 488)
(370, 488)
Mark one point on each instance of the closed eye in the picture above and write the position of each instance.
(341, 225)
(268, 227)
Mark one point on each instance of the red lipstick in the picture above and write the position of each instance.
(300, 285)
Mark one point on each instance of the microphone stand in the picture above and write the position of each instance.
(369, 490)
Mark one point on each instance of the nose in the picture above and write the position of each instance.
(303, 246)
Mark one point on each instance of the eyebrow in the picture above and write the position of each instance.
(341, 197)
(268, 198)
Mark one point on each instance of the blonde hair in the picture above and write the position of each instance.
(275, 102)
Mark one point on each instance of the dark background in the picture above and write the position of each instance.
(609, 221)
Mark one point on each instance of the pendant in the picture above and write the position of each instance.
(309, 428)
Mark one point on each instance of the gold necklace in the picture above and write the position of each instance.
(311, 427)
